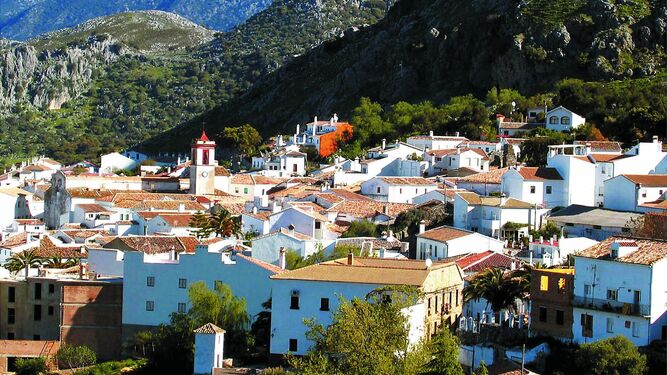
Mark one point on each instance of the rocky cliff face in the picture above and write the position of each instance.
(47, 79)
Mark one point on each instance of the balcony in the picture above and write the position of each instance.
(625, 308)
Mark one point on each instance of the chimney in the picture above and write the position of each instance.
(181, 207)
(621, 248)
(588, 148)
(384, 143)
(282, 263)
(457, 134)
(655, 139)
(391, 234)
(541, 239)
(430, 133)
(254, 209)
(458, 150)
(350, 258)
(422, 226)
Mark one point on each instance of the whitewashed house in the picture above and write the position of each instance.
(473, 159)
(255, 222)
(497, 217)
(540, 186)
(315, 291)
(484, 183)
(267, 247)
(250, 186)
(445, 241)
(562, 119)
(435, 142)
(174, 224)
(307, 222)
(620, 288)
(592, 222)
(397, 189)
(554, 251)
(629, 192)
(93, 215)
(284, 163)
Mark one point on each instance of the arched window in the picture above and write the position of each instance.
(553, 120)
(565, 120)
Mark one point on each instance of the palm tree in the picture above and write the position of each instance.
(500, 288)
(59, 262)
(223, 224)
(23, 260)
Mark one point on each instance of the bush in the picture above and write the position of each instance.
(112, 368)
(74, 357)
(31, 366)
(616, 355)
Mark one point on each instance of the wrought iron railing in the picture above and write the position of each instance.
(625, 308)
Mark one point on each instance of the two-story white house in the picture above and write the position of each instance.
(593, 222)
(435, 142)
(541, 186)
(562, 119)
(620, 288)
(250, 186)
(284, 163)
(174, 224)
(303, 220)
(473, 159)
(628, 192)
(446, 241)
(397, 189)
(93, 215)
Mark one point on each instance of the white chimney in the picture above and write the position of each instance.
(457, 134)
(430, 133)
(382, 252)
(391, 234)
(422, 226)
(181, 207)
(541, 239)
(254, 209)
(282, 262)
(384, 143)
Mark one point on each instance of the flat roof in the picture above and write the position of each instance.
(577, 214)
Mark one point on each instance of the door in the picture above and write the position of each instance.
(294, 168)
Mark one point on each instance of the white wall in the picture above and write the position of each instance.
(302, 223)
(267, 248)
(622, 194)
(105, 262)
(472, 243)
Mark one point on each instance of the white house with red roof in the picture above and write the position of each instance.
(473, 159)
(636, 192)
(541, 186)
(175, 224)
(397, 189)
(446, 241)
(553, 251)
(562, 119)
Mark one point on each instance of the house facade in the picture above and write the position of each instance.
(397, 189)
(445, 241)
(628, 192)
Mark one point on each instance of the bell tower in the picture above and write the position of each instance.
(202, 166)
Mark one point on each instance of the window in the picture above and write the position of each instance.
(532, 189)
(457, 297)
(150, 305)
(635, 329)
(11, 294)
(548, 189)
(37, 313)
(182, 283)
(181, 307)
(324, 304)
(400, 191)
(587, 289)
(560, 317)
(544, 283)
(293, 345)
(643, 193)
(565, 120)
(378, 190)
(11, 316)
(612, 294)
(553, 120)
(10, 335)
(543, 314)
(236, 190)
(587, 325)
(50, 310)
(150, 281)
(610, 325)
(245, 190)
(561, 285)
(38, 290)
(318, 225)
(52, 288)
(294, 302)
(627, 324)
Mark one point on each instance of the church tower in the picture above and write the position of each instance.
(202, 166)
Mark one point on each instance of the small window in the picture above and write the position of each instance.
(457, 297)
(181, 308)
(11, 294)
(294, 303)
(610, 325)
(37, 313)
(532, 189)
(150, 281)
(11, 316)
(324, 304)
(378, 190)
(38, 290)
(245, 190)
(635, 329)
(50, 310)
(643, 193)
(561, 285)
(293, 345)
(182, 283)
(587, 289)
(627, 324)
(543, 314)
(565, 120)
(553, 120)
(612, 294)
(544, 283)
(150, 305)
(548, 189)
(560, 317)
(318, 225)
(52, 288)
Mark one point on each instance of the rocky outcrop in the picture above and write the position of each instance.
(50, 78)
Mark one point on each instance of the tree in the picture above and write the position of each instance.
(482, 370)
(31, 366)
(23, 261)
(75, 357)
(223, 224)
(261, 327)
(445, 359)
(59, 262)
(170, 349)
(651, 225)
(244, 138)
(613, 356)
(363, 228)
(365, 337)
(223, 309)
(500, 288)
(200, 221)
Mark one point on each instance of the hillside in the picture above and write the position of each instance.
(105, 93)
(437, 49)
(25, 19)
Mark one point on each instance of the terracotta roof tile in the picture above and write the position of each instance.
(407, 181)
(92, 207)
(222, 171)
(655, 180)
(15, 240)
(210, 329)
(459, 150)
(602, 146)
(260, 215)
(155, 244)
(49, 248)
(539, 173)
(267, 266)
(348, 195)
(493, 176)
(649, 250)
(177, 220)
(368, 209)
(444, 233)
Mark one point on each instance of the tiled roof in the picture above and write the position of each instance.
(659, 204)
(92, 207)
(438, 138)
(210, 329)
(144, 196)
(233, 208)
(260, 215)
(147, 215)
(297, 191)
(156, 244)
(368, 209)
(514, 141)
(83, 233)
(90, 193)
(407, 181)
(389, 244)
(251, 179)
(371, 271)
(15, 240)
(29, 222)
(14, 191)
(221, 171)
(492, 260)
(48, 249)
(459, 150)
(474, 199)
(444, 233)
(539, 173)
(493, 176)
(329, 197)
(655, 180)
(267, 266)
(287, 232)
(160, 205)
(519, 125)
(349, 195)
(602, 146)
(603, 158)
(177, 220)
(649, 250)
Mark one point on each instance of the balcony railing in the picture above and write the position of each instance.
(625, 308)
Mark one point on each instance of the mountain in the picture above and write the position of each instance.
(113, 82)
(25, 19)
(436, 49)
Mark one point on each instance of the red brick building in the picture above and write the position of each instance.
(551, 292)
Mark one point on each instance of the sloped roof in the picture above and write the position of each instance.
(459, 150)
(653, 180)
(368, 209)
(349, 195)
(539, 173)
(221, 171)
(474, 199)
(407, 181)
(287, 232)
(493, 176)
(602, 146)
(444, 233)
(649, 250)
(155, 244)
(92, 207)
(267, 266)
(209, 328)
(177, 220)
(15, 240)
